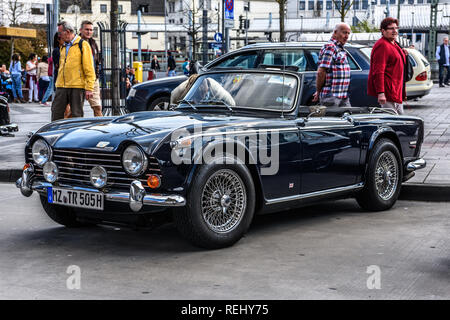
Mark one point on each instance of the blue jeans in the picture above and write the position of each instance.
(49, 91)
(17, 85)
(172, 73)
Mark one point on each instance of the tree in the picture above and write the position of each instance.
(364, 26)
(193, 27)
(343, 7)
(282, 8)
(14, 12)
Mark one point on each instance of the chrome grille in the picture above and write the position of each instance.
(75, 165)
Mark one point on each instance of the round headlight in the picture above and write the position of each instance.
(99, 177)
(134, 160)
(50, 172)
(41, 152)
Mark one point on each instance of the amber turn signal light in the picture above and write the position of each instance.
(26, 166)
(153, 181)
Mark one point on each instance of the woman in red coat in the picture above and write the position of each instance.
(387, 63)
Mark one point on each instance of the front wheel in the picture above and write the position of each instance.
(383, 178)
(159, 104)
(219, 207)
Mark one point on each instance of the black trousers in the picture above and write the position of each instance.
(441, 74)
(65, 96)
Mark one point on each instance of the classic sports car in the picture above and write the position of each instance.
(238, 144)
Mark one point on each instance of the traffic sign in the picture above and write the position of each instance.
(218, 37)
(229, 9)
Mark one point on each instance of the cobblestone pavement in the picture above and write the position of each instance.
(433, 108)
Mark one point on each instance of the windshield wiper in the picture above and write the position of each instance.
(212, 101)
(189, 103)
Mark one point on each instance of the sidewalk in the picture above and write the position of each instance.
(430, 182)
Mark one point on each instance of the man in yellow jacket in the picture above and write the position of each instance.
(76, 74)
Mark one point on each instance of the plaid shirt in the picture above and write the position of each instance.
(333, 57)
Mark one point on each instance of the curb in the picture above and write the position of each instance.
(409, 191)
(425, 192)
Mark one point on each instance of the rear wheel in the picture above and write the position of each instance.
(220, 206)
(161, 103)
(61, 214)
(383, 179)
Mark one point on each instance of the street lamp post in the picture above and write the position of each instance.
(412, 29)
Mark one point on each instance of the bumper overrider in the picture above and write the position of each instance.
(136, 197)
(412, 166)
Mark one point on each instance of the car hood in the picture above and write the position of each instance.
(145, 128)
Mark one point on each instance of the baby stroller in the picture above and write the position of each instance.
(6, 127)
(6, 86)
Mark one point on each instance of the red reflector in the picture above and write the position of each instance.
(422, 76)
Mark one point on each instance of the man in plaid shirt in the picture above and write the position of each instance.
(333, 73)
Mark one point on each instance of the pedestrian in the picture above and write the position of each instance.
(155, 67)
(171, 65)
(3, 70)
(43, 79)
(185, 67)
(333, 73)
(193, 67)
(31, 83)
(52, 68)
(87, 30)
(443, 56)
(387, 66)
(76, 75)
(15, 68)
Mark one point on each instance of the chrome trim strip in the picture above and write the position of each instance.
(88, 159)
(89, 153)
(87, 164)
(316, 193)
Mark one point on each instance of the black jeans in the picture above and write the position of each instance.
(441, 74)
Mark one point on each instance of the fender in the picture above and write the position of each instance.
(208, 146)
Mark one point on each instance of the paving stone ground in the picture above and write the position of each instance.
(433, 108)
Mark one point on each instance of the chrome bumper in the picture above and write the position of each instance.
(137, 197)
(416, 165)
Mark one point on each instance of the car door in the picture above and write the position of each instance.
(330, 153)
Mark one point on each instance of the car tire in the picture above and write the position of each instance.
(217, 215)
(161, 103)
(63, 215)
(383, 178)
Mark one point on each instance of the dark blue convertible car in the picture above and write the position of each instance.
(240, 143)
(303, 56)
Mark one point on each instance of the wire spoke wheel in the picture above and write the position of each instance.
(223, 201)
(386, 175)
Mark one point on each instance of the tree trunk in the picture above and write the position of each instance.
(12, 47)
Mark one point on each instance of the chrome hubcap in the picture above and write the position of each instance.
(386, 175)
(224, 200)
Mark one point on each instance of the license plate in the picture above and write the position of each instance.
(75, 198)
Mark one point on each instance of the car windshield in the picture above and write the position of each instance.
(264, 91)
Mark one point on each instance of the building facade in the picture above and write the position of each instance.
(17, 12)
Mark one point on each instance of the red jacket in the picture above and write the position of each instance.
(387, 63)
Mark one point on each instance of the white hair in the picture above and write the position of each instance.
(340, 25)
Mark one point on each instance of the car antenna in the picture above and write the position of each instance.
(282, 87)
